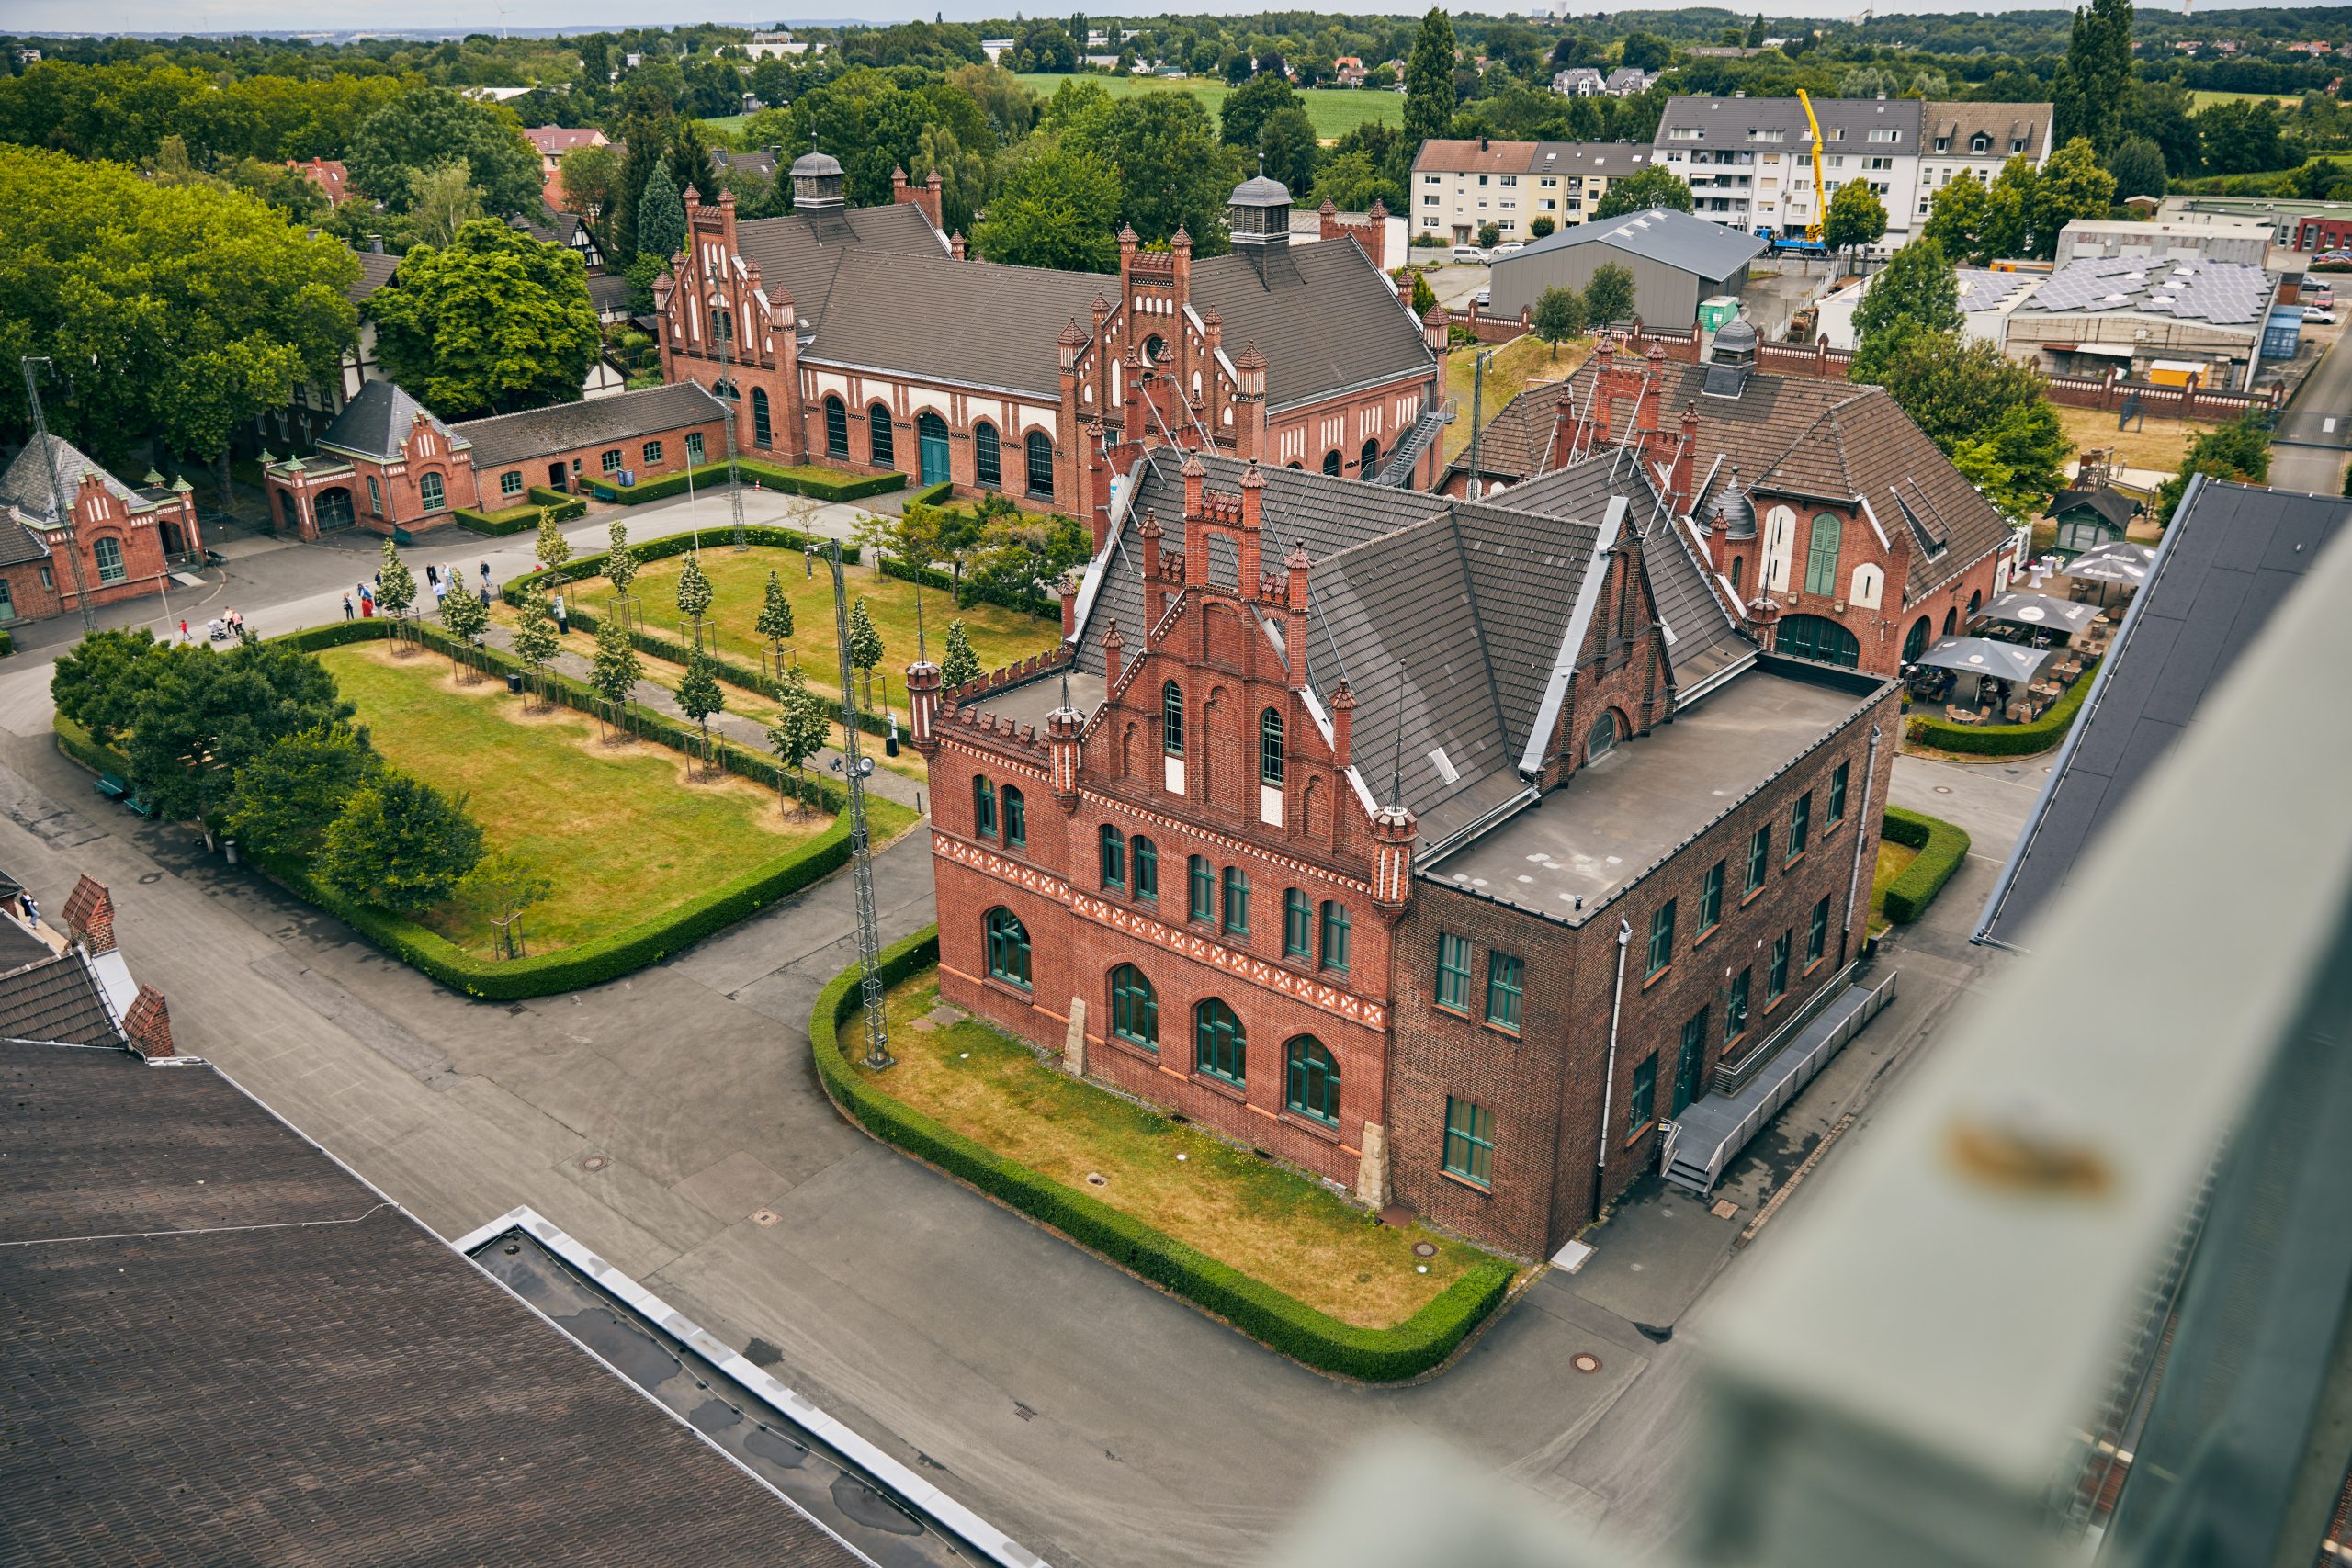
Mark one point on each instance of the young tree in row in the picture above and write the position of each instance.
(864, 645)
(535, 642)
(693, 601)
(400, 844)
(463, 617)
(501, 886)
(1609, 294)
(395, 592)
(1559, 316)
(801, 728)
(616, 670)
(775, 623)
(699, 697)
(552, 548)
(959, 666)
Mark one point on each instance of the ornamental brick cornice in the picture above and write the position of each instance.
(1228, 841)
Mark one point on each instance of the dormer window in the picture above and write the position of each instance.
(1980, 142)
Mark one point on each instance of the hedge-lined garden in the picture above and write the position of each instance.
(522, 519)
(1941, 848)
(2006, 739)
(1269, 1315)
(825, 484)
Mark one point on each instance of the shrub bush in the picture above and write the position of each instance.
(568, 508)
(1266, 1314)
(1941, 848)
(2007, 740)
(972, 593)
(823, 483)
(933, 495)
(8, 643)
(520, 519)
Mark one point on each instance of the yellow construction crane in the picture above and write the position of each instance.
(1820, 188)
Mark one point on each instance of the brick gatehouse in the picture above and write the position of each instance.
(113, 541)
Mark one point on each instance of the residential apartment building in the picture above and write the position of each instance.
(1459, 186)
(1976, 138)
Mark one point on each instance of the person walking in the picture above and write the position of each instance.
(485, 595)
(440, 588)
(432, 576)
(485, 574)
(184, 628)
(348, 612)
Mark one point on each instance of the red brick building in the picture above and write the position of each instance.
(1324, 828)
(2320, 233)
(387, 462)
(112, 541)
(864, 338)
(1842, 532)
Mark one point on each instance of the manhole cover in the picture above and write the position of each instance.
(151, 878)
(1584, 1362)
(1943, 789)
(594, 1162)
(765, 1216)
(1424, 1250)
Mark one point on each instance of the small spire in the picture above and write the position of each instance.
(1397, 773)
(922, 652)
(1066, 708)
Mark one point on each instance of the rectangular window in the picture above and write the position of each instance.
(1237, 900)
(1114, 857)
(1837, 812)
(1469, 1141)
(1776, 979)
(652, 453)
(374, 497)
(1203, 888)
(1661, 938)
(1335, 936)
(47, 580)
(1016, 819)
(1502, 991)
(1736, 1013)
(694, 445)
(1800, 824)
(984, 808)
(510, 483)
(611, 461)
(1886, 136)
(1760, 850)
(1298, 922)
(1687, 1065)
(1711, 899)
(1147, 870)
(1641, 1104)
(1453, 972)
(1817, 934)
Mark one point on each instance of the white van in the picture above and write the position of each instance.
(1469, 255)
(1509, 248)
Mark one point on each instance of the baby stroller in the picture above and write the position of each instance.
(217, 629)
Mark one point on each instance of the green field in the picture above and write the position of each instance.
(1334, 111)
(729, 126)
(618, 829)
(2204, 98)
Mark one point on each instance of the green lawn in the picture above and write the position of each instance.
(2205, 97)
(618, 829)
(728, 124)
(1271, 1222)
(1334, 111)
(1894, 859)
(739, 587)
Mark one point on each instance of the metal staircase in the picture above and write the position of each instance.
(1402, 461)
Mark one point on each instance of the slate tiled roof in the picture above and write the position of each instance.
(25, 488)
(1338, 325)
(374, 423)
(509, 438)
(2002, 122)
(608, 292)
(1517, 438)
(285, 1369)
(2231, 555)
(376, 269)
(2111, 504)
(55, 997)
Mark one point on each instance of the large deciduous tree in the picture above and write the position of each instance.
(1173, 173)
(429, 126)
(496, 322)
(2088, 92)
(202, 716)
(1057, 208)
(283, 800)
(1429, 80)
(400, 844)
(1917, 292)
(2138, 166)
(1247, 108)
(1640, 190)
(1989, 414)
(1856, 217)
(1609, 294)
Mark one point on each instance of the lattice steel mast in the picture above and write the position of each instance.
(861, 856)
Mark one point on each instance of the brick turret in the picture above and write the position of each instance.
(89, 915)
(148, 1024)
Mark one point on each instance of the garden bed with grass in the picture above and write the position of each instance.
(1269, 1250)
(1905, 885)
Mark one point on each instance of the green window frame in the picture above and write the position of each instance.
(1711, 899)
(1335, 936)
(1688, 1063)
(1759, 855)
(1008, 943)
(1817, 934)
(1270, 748)
(1203, 888)
(1114, 854)
(1311, 1080)
(1776, 979)
(509, 482)
(610, 459)
(983, 808)
(1237, 900)
(1800, 824)
(1661, 938)
(653, 453)
(1735, 1009)
(1469, 1141)
(836, 428)
(1503, 973)
(1134, 1007)
(988, 460)
(1453, 972)
(1220, 1046)
(1299, 925)
(429, 491)
(1146, 856)
(694, 445)
(1016, 818)
(1821, 555)
(1641, 1102)
(107, 553)
(1837, 812)
(1172, 719)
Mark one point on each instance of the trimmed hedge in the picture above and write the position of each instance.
(933, 495)
(971, 593)
(517, 519)
(1279, 1321)
(8, 643)
(2006, 739)
(568, 508)
(1941, 848)
(822, 483)
(583, 963)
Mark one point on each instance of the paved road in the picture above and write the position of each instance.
(2311, 445)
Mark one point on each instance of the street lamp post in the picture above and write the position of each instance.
(861, 858)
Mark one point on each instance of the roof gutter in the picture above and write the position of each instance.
(1476, 826)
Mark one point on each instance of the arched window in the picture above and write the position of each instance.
(763, 434)
(1146, 856)
(1016, 819)
(881, 447)
(1134, 1007)
(836, 428)
(1311, 1080)
(1237, 900)
(1975, 603)
(1041, 465)
(1270, 746)
(1220, 1048)
(1915, 643)
(1300, 467)
(1113, 847)
(1008, 948)
(1335, 936)
(1299, 925)
(1735, 564)
(429, 491)
(1821, 556)
(983, 808)
(1201, 888)
(1603, 738)
(1817, 637)
(1331, 463)
(988, 463)
(1370, 467)
(108, 555)
(1951, 619)
(1172, 719)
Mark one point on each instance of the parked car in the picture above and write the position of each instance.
(1483, 298)
(2318, 316)
(1509, 248)
(1469, 255)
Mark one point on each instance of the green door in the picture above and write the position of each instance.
(930, 434)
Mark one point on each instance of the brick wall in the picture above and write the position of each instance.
(38, 589)
(536, 470)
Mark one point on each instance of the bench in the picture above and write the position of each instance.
(111, 787)
(139, 804)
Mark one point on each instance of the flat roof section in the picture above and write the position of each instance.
(1033, 700)
(1618, 818)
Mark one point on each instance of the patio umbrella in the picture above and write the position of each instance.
(2040, 611)
(2119, 561)
(1983, 656)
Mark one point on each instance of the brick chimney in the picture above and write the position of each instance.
(1295, 595)
(89, 916)
(928, 202)
(149, 1023)
(1155, 600)
(1685, 457)
(1343, 724)
(956, 243)
(1250, 401)
(1251, 568)
(1115, 655)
